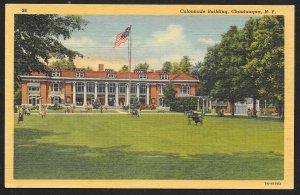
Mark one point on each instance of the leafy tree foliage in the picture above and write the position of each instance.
(176, 68)
(96, 103)
(38, 38)
(124, 68)
(142, 66)
(246, 63)
(167, 66)
(169, 93)
(88, 68)
(264, 41)
(185, 65)
(63, 65)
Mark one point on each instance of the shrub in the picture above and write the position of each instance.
(56, 106)
(182, 104)
(96, 104)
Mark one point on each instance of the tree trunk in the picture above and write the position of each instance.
(254, 107)
(281, 109)
(232, 107)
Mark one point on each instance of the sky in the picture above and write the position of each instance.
(155, 39)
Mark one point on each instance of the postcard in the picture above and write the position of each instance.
(149, 96)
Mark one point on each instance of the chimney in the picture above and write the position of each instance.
(101, 67)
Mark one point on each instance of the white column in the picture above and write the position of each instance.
(95, 93)
(84, 94)
(106, 94)
(206, 104)
(138, 90)
(74, 93)
(127, 94)
(147, 95)
(117, 95)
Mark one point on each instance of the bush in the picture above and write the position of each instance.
(182, 104)
(125, 107)
(35, 107)
(96, 104)
(56, 106)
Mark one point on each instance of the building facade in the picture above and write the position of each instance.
(80, 88)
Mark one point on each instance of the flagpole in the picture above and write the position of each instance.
(129, 51)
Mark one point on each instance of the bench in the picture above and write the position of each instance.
(135, 113)
(188, 112)
(195, 117)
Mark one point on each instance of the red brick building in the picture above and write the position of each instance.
(80, 87)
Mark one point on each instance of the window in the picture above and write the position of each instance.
(55, 74)
(79, 87)
(185, 89)
(80, 74)
(143, 88)
(161, 89)
(133, 88)
(143, 76)
(90, 87)
(33, 89)
(111, 88)
(111, 76)
(122, 88)
(55, 87)
(101, 88)
(164, 76)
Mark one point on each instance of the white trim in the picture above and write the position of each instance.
(106, 79)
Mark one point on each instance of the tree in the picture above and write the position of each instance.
(136, 103)
(176, 68)
(96, 103)
(265, 62)
(167, 66)
(124, 69)
(169, 93)
(63, 65)
(185, 65)
(142, 66)
(228, 83)
(88, 68)
(38, 39)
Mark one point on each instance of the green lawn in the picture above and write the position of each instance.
(154, 146)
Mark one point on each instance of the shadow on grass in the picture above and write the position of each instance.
(33, 160)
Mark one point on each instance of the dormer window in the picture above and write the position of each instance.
(143, 76)
(111, 75)
(164, 77)
(79, 74)
(55, 74)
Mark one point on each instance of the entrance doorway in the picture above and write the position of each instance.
(34, 100)
(111, 100)
(79, 100)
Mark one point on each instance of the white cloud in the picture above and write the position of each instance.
(207, 41)
(173, 36)
(81, 42)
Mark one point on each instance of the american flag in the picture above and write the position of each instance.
(122, 37)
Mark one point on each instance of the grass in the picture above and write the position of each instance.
(154, 146)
